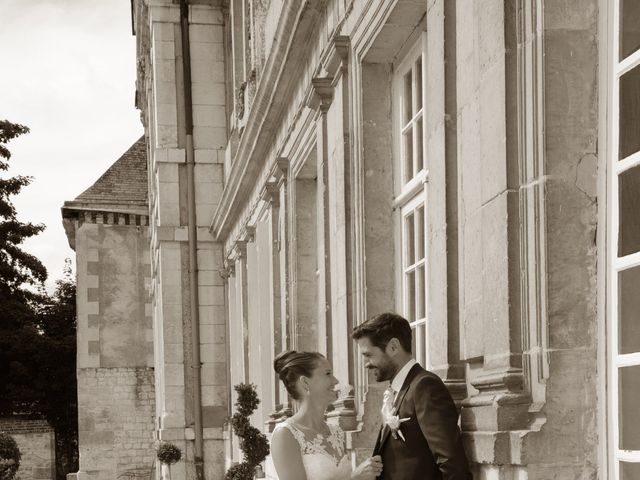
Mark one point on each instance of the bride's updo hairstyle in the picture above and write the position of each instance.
(291, 365)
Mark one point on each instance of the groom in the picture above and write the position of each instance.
(420, 438)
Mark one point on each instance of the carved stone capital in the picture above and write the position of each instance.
(271, 193)
(336, 56)
(239, 250)
(280, 170)
(229, 269)
(501, 403)
(320, 94)
(248, 234)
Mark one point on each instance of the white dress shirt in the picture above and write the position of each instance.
(401, 376)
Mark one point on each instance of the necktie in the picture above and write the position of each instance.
(387, 402)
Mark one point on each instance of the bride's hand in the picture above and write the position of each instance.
(370, 468)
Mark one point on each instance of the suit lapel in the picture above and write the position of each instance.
(376, 449)
(386, 431)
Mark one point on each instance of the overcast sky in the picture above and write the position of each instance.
(67, 72)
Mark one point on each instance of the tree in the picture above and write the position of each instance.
(18, 268)
(20, 275)
(56, 320)
(37, 330)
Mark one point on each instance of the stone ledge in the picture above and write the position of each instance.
(203, 14)
(503, 448)
(169, 434)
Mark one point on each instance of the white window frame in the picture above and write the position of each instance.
(411, 195)
(616, 264)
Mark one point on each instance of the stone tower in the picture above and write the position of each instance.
(107, 227)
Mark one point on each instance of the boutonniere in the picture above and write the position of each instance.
(394, 422)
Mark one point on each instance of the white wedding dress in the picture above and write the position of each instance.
(324, 458)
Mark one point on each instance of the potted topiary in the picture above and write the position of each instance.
(9, 457)
(168, 454)
(253, 442)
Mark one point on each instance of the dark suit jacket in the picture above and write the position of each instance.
(433, 448)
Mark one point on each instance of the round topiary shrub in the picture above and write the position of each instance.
(9, 457)
(168, 453)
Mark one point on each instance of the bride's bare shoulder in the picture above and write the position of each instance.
(283, 434)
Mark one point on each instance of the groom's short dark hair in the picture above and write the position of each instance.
(381, 328)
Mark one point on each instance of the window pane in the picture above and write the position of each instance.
(418, 132)
(408, 98)
(629, 208)
(629, 113)
(629, 471)
(410, 295)
(629, 310)
(407, 146)
(419, 340)
(413, 343)
(629, 29)
(420, 233)
(418, 73)
(409, 240)
(420, 292)
(629, 413)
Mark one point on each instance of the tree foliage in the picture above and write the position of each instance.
(9, 457)
(18, 268)
(37, 330)
(56, 321)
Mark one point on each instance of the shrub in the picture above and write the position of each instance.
(253, 442)
(9, 457)
(168, 453)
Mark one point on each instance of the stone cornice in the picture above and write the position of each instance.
(296, 23)
(74, 216)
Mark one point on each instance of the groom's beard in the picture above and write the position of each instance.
(384, 372)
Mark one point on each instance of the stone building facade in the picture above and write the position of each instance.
(36, 440)
(471, 164)
(107, 226)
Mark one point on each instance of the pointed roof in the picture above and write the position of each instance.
(122, 188)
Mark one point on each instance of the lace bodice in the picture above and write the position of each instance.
(323, 457)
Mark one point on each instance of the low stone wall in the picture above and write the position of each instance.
(115, 419)
(36, 441)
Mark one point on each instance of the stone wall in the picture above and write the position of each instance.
(36, 441)
(114, 312)
(510, 212)
(116, 411)
(160, 96)
(116, 400)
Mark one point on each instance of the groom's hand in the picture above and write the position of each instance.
(369, 469)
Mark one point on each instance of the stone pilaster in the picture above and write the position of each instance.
(488, 222)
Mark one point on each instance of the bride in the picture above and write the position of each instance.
(304, 446)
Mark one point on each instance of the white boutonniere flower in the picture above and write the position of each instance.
(394, 422)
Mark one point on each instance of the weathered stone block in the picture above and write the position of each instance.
(209, 116)
(209, 137)
(209, 93)
(571, 253)
(163, 31)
